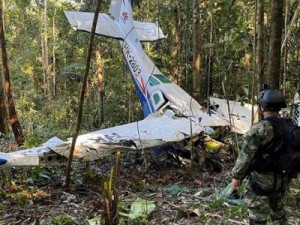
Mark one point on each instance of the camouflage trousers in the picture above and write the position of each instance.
(264, 208)
(296, 113)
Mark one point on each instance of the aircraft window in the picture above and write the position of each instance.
(156, 98)
(162, 78)
(153, 81)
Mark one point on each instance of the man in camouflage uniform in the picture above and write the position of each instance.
(266, 190)
(296, 107)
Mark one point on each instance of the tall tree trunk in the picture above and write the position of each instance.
(210, 57)
(100, 76)
(53, 54)
(13, 118)
(197, 50)
(187, 42)
(255, 74)
(46, 76)
(285, 50)
(260, 44)
(290, 27)
(3, 112)
(176, 45)
(275, 43)
(288, 30)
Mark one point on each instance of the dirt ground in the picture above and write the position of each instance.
(181, 194)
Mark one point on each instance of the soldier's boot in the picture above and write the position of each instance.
(256, 222)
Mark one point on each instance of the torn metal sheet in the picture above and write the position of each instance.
(211, 118)
(153, 131)
(33, 157)
(240, 116)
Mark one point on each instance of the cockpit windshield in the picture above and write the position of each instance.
(156, 79)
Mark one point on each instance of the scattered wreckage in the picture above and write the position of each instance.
(172, 116)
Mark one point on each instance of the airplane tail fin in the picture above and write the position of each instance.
(121, 10)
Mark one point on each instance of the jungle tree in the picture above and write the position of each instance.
(260, 43)
(175, 51)
(275, 43)
(3, 112)
(13, 118)
(197, 50)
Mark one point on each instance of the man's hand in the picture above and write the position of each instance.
(235, 183)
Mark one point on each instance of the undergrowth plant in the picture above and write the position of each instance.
(110, 196)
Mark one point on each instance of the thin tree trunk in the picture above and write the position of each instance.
(100, 75)
(290, 28)
(53, 54)
(260, 44)
(3, 113)
(47, 77)
(255, 75)
(275, 43)
(43, 64)
(210, 55)
(83, 88)
(197, 50)
(176, 45)
(285, 50)
(13, 118)
(187, 40)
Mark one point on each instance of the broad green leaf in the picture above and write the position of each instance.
(140, 208)
(95, 221)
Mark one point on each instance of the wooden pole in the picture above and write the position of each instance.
(83, 88)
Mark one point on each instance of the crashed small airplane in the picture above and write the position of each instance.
(172, 117)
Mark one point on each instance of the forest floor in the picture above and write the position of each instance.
(151, 190)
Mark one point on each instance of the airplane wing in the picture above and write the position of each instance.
(83, 21)
(211, 118)
(155, 130)
(239, 115)
(148, 32)
(32, 157)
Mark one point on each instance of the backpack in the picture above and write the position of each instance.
(282, 153)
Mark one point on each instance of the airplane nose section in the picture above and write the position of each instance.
(2, 161)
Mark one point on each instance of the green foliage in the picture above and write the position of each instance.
(139, 211)
(243, 94)
(60, 220)
(110, 195)
(21, 199)
(22, 3)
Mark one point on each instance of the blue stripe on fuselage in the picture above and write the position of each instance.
(146, 104)
(3, 161)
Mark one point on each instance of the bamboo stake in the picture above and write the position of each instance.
(84, 83)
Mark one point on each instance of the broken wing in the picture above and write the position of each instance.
(153, 131)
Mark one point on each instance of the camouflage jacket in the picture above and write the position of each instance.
(259, 135)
